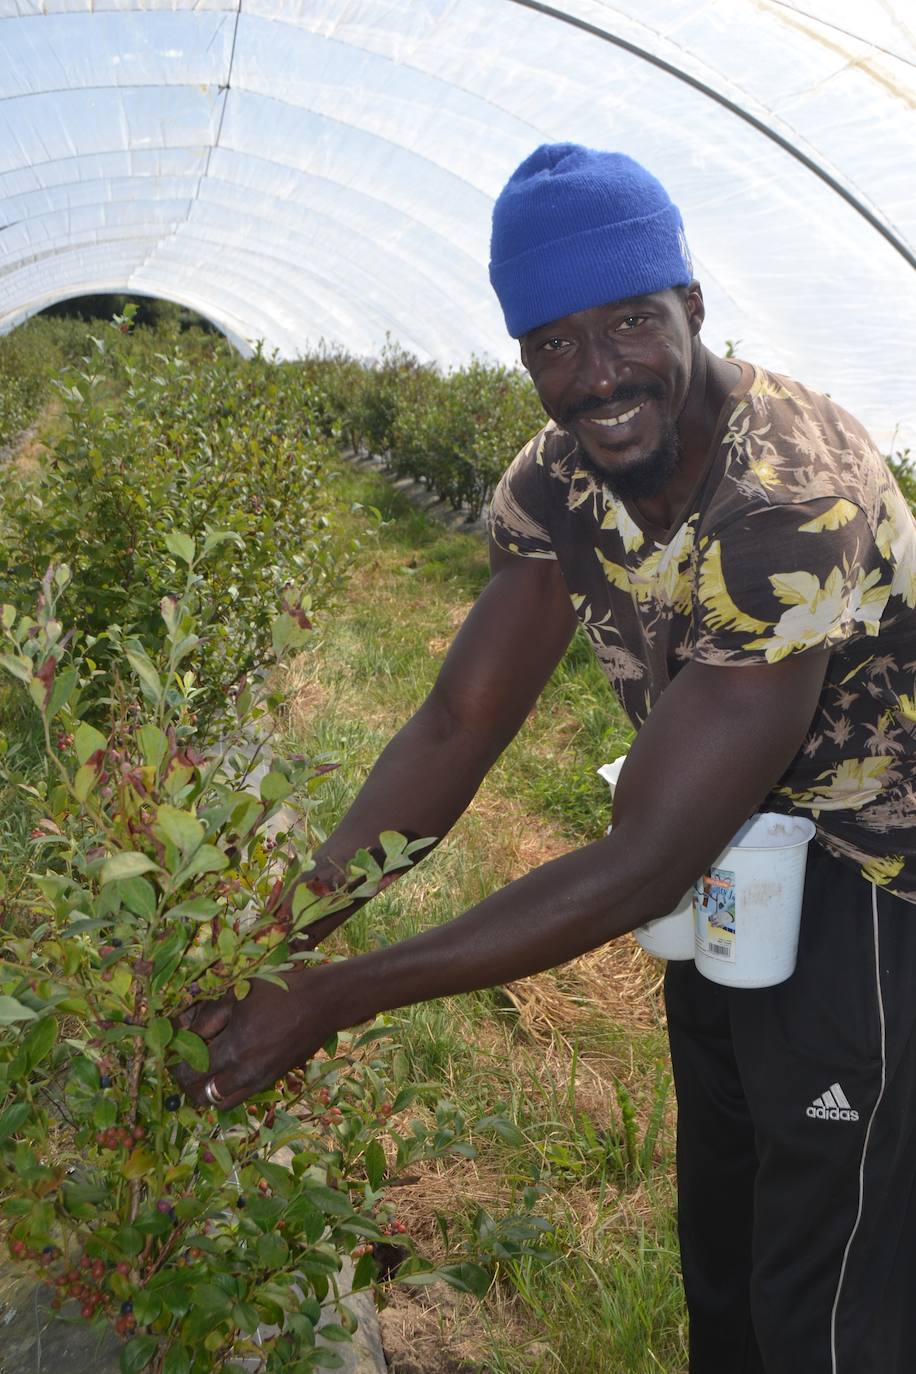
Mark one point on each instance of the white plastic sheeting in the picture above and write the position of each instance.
(299, 170)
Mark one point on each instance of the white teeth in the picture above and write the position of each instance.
(620, 419)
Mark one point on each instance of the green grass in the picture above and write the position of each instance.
(586, 1094)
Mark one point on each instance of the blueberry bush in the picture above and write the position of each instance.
(200, 1238)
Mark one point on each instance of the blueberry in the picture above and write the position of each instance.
(240, 1202)
(173, 1102)
(116, 944)
(127, 1307)
(105, 1080)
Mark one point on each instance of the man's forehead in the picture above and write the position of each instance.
(629, 305)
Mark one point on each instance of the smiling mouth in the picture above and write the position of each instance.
(617, 419)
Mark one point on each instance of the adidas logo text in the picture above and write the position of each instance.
(833, 1105)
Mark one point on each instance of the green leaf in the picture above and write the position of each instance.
(147, 1306)
(197, 909)
(364, 1273)
(325, 1358)
(416, 845)
(220, 1152)
(208, 1298)
(192, 1050)
(154, 745)
(40, 1040)
(137, 1354)
(87, 740)
(64, 686)
(176, 1294)
(129, 1240)
(181, 545)
(145, 670)
(177, 1361)
(130, 864)
(466, 1278)
(392, 843)
(206, 859)
(169, 954)
(273, 1251)
(18, 666)
(180, 827)
(245, 1316)
(274, 787)
(332, 1332)
(244, 815)
(86, 778)
(159, 1032)
(139, 896)
(85, 1071)
(139, 1163)
(11, 1010)
(216, 537)
(39, 692)
(503, 1127)
(376, 1163)
(7, 616)
(13, 1119)
(404, 1099)
(329, 1200)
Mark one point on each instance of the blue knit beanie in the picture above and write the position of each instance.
(573, 228)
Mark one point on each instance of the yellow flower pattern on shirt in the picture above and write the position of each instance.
(797, 539)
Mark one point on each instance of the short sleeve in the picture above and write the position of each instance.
(518, 514)
(788, 579)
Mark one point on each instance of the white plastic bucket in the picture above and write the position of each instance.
(671, 936)
(667, 937)
(747, 907)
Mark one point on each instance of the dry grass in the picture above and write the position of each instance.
(431, 1332)
(27, 453)
(305, 697)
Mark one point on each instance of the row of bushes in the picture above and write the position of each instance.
(193, 438)
(456, 432)
(184, 519)
(29, 358)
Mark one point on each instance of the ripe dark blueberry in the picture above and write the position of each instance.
(127, 1307)
(173, 1102)
(116, 944)
(105, 1080)
(240, 1202)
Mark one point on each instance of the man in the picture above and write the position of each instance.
(746, 570)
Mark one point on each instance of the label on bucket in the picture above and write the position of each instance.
(714, 912)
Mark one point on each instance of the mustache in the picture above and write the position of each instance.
(619, 397)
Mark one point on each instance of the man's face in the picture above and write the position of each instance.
(617, 378)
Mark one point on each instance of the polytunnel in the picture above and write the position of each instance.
(302, 171)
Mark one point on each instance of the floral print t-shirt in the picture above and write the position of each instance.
(796, 539)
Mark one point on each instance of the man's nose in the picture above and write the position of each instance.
(601, 367)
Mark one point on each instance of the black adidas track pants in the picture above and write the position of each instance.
(797, 1145)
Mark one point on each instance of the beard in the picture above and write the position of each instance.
(644, 478)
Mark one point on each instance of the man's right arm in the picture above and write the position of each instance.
(497, 666)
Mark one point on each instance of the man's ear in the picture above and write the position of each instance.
(522, 353)
(695, 307)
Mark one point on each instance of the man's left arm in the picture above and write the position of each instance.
(713, 746)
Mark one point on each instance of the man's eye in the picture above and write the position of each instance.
(632, 322)
(552, 345)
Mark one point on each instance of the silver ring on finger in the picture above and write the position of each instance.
(213, 1096)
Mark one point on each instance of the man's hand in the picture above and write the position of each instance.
(254, 1042)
